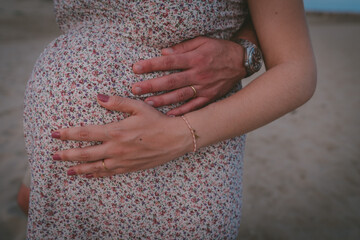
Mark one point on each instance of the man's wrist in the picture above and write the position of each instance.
(239, 56)
(252, 56)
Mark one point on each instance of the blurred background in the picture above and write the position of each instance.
(302, 172)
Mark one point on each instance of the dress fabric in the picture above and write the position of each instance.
(197, 196)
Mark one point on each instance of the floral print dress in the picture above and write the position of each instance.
(197, 196)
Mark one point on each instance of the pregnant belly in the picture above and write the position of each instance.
(66, 79)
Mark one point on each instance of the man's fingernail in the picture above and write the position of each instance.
(151, 103)
(56, 157)
(71, 172)
(55, 134)
(103, 98)
(137, 68)
(168, 51)
(89, 175)
(137, 90)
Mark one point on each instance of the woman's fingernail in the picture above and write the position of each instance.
(56, 157)
(103, 98)
(89, 175)
(151, 103)
(137, 68)
(71, 172)
(168, 51)
(137, 90)
(55, 135)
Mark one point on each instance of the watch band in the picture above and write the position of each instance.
(253, 58)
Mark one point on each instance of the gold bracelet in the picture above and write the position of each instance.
(192, 131)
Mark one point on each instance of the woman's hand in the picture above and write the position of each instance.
(211, 66)
(146, 139)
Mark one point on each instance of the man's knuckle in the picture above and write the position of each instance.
(116, 152)
(198, 77)
(160, 101)
(171, 82)
(213, 46)
(201, 77)
(198, 60)
(180, 96)
(107, 133)
(147, 66)
(98, 168)
(210, 60)
(148, 87)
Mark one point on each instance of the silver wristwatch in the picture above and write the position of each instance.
(253, 57)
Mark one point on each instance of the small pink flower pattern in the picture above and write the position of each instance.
(197, 196)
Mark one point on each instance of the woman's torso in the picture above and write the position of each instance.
(186, 198)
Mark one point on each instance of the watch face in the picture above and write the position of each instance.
(255, 59)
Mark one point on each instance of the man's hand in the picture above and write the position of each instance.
(211, 66)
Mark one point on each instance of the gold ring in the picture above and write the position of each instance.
(103, 162)
(194, 90)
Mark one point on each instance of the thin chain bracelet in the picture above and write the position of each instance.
(192, 131)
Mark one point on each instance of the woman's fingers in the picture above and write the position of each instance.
(97, 169)
(165, 83)
(105, 167)
(113, 172)
(189, 106)
(121, 171)
(163, 63)
(90, 168)
(86, 154)
(176, 96)
(87, 133)
(122, 104)
(101, 132)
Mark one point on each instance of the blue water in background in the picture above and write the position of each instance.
(343, 6)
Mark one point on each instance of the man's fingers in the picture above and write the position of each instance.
(164, 63)
(176, 96)
(122, 104)
(165, 83)
(189, 106)
(185, 46)
(87, 133)
(86, 154)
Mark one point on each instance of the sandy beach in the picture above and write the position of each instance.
(302, 172)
